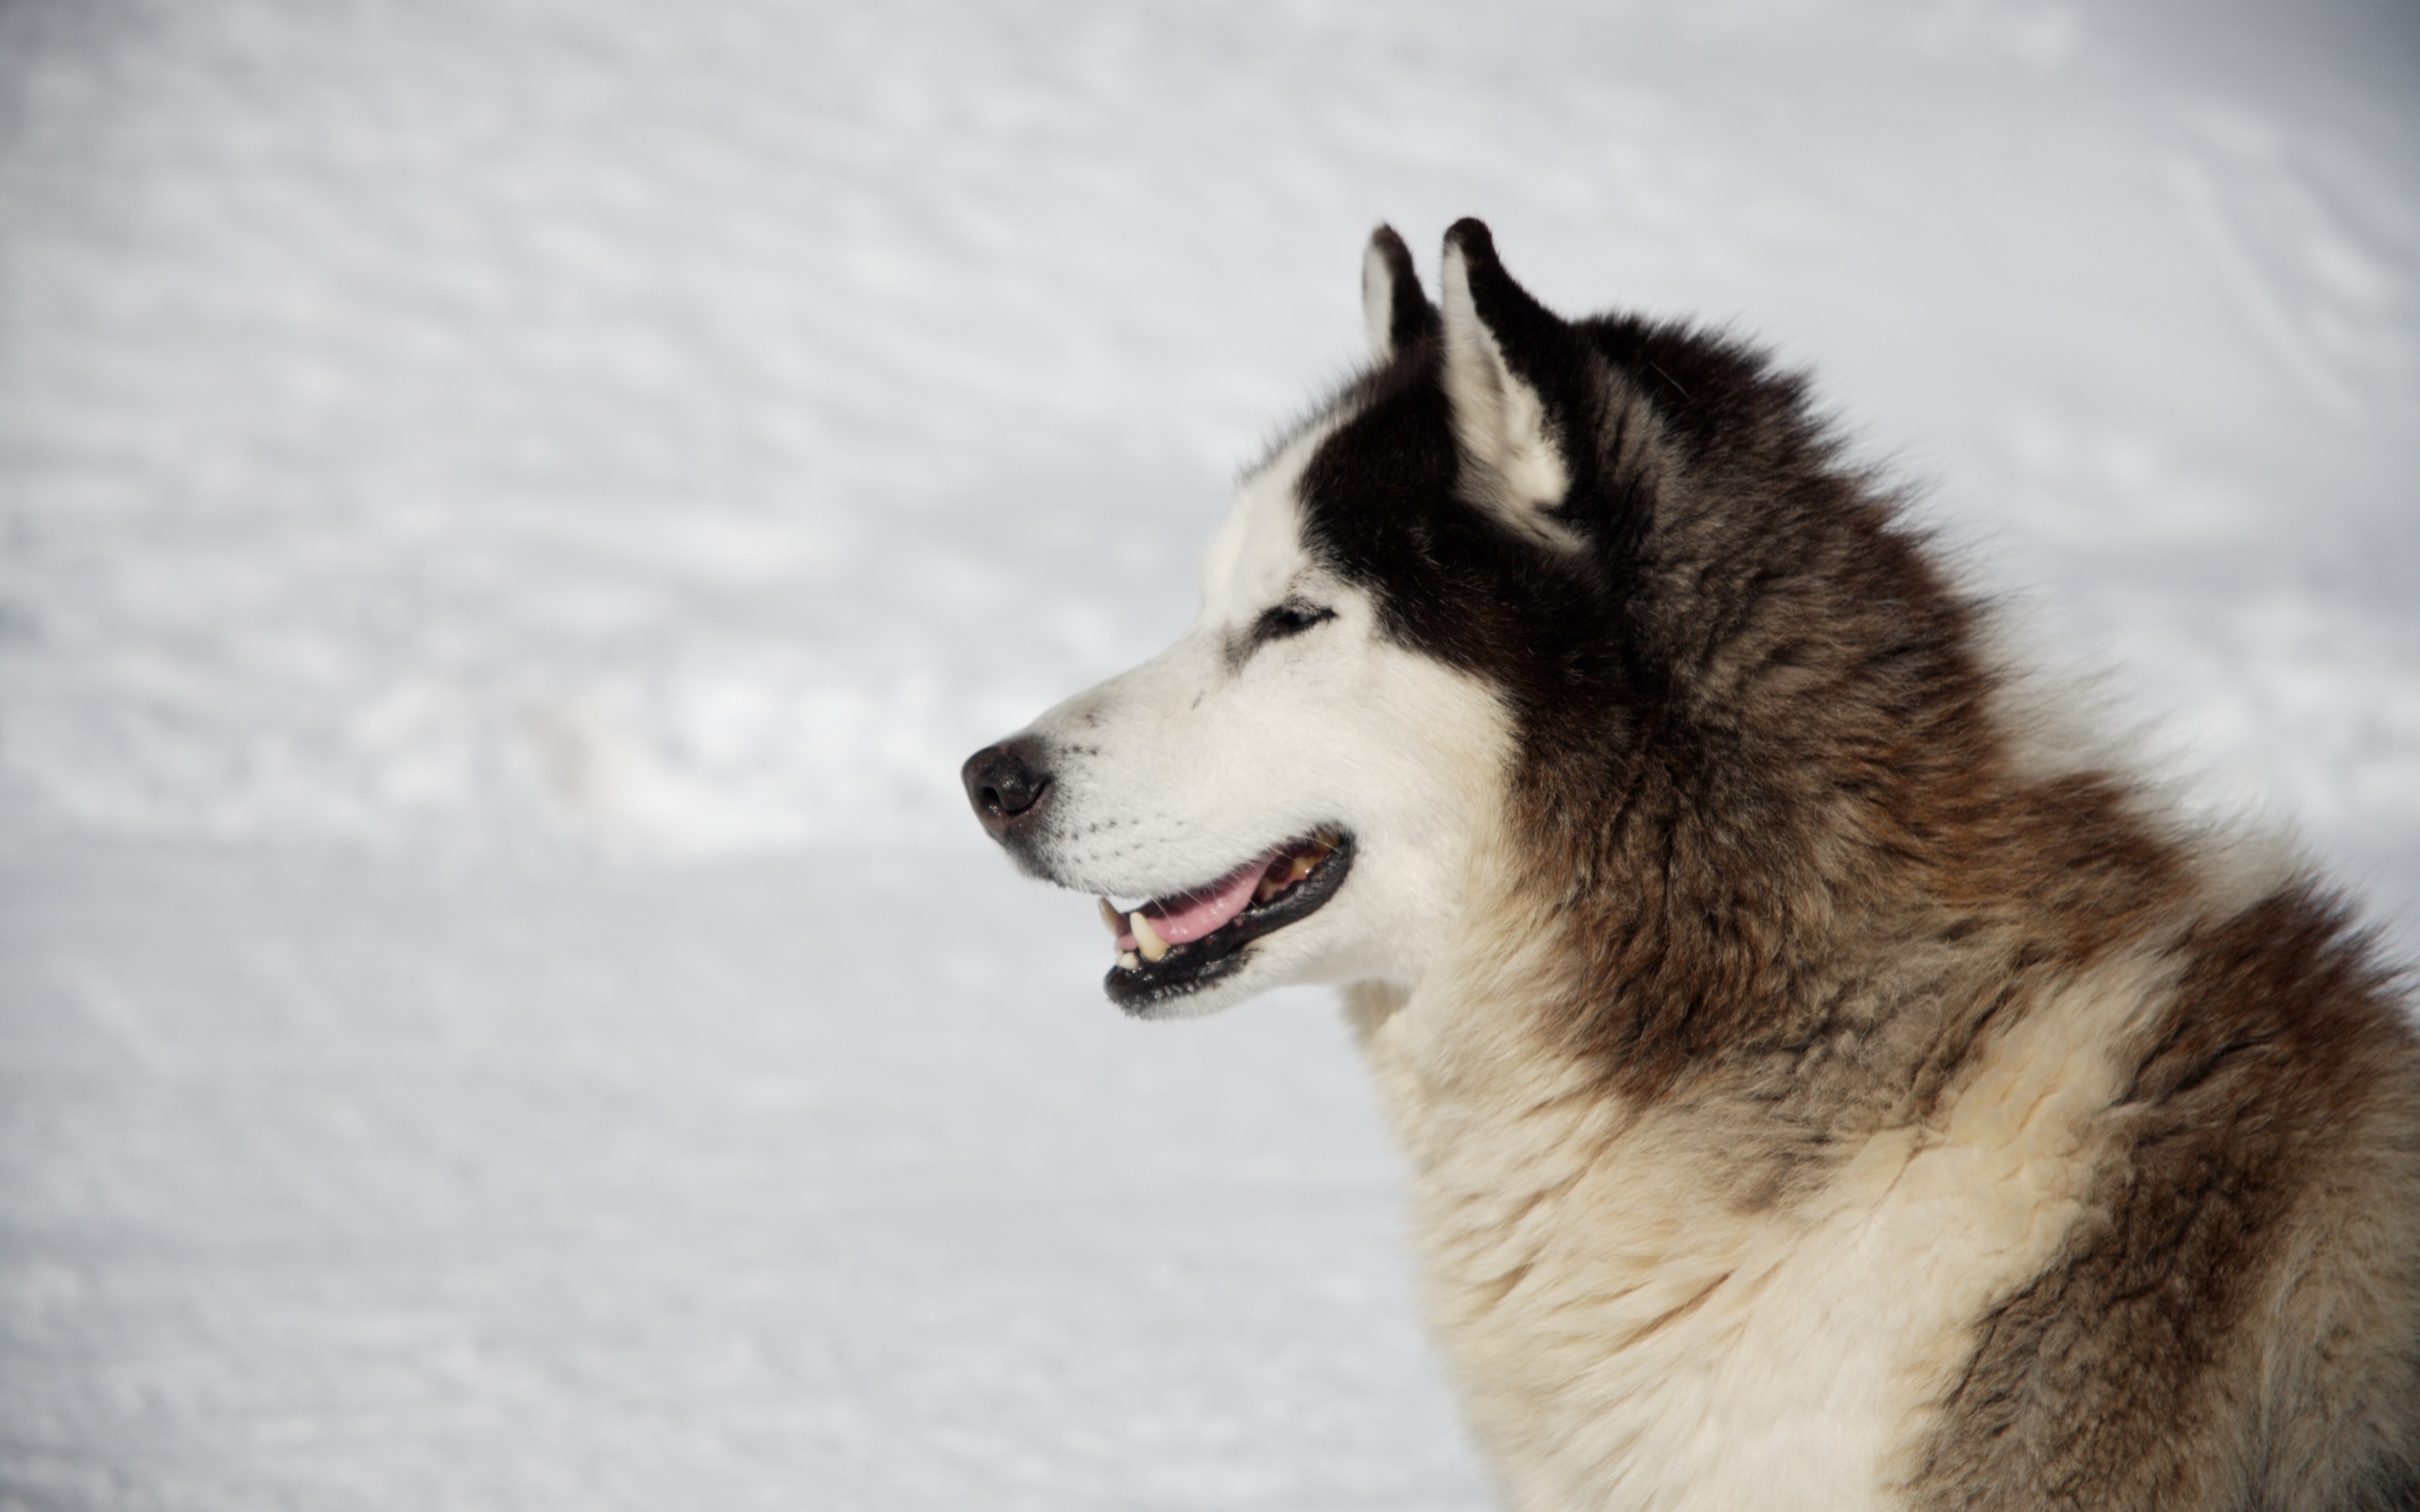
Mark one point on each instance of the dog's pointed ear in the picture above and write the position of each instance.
(1510, 365)
(1396, 312)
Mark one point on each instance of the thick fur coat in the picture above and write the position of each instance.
(1819, 1090)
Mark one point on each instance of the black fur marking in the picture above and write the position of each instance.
(1411, 320)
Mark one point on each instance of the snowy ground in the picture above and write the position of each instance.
(511, 514)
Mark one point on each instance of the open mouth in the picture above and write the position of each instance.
(1170, 946)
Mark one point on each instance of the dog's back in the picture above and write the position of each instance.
(2233, 1317)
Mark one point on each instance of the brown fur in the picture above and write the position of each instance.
(1784, 965)
(2271, 1120)
(1772, 807)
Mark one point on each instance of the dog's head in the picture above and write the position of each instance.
(1418, 598)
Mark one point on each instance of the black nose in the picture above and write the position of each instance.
(1004, 785)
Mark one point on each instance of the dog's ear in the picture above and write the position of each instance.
(1514, 374)
(1397, 313)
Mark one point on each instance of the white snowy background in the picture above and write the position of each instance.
(512, 513)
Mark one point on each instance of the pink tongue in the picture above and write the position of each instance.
(1196, 913)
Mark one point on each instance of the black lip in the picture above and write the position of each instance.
(1194, 965)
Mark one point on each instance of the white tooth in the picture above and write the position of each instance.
(1129, 959)
(1115, 921)
(1146, 937)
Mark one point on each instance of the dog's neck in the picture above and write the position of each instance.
(1610, 1270)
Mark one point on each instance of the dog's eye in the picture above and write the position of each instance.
(1291, 618)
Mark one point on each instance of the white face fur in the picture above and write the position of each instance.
(1222, 746)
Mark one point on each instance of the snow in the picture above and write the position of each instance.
(512, 513)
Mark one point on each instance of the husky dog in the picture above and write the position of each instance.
(1820, 1089)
